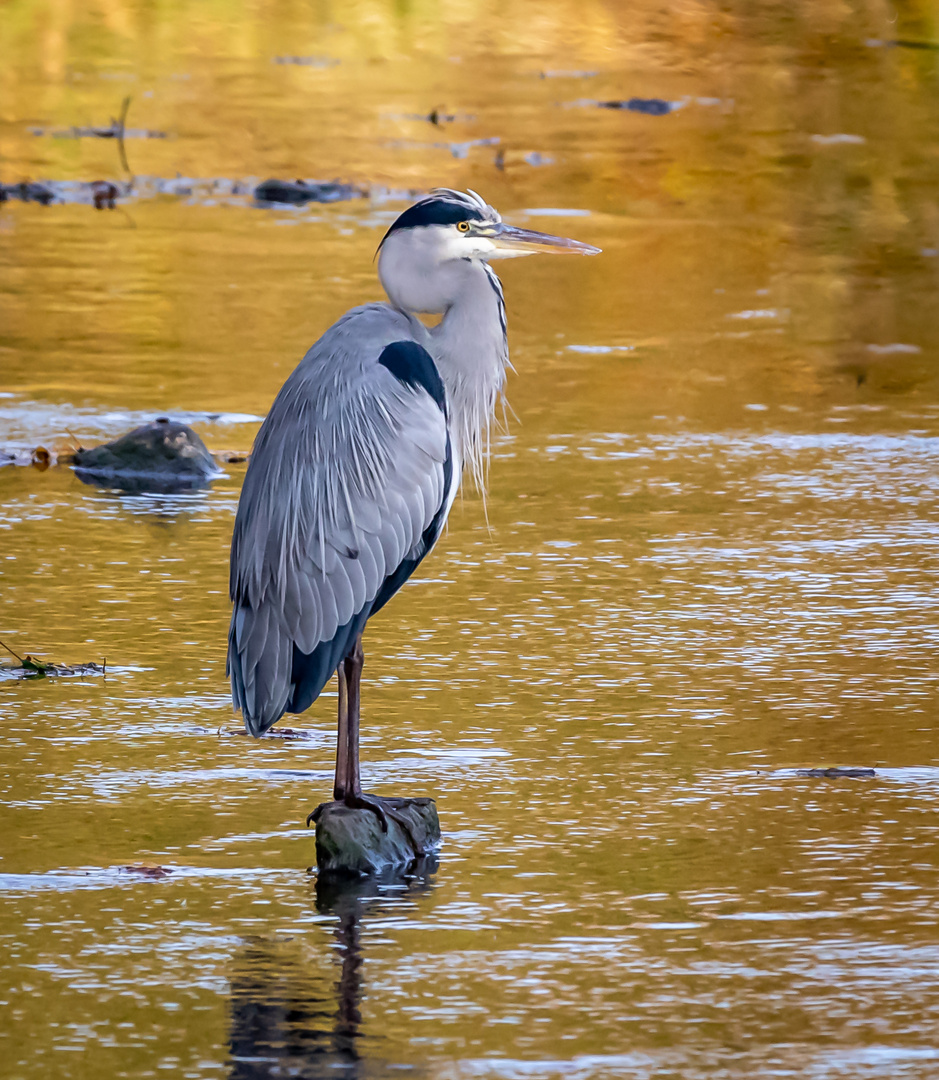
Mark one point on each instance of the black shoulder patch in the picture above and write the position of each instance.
(435, 212)
(413, 365)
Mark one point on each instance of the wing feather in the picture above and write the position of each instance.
(349, 471)
(344, 595)
(326, 592)
(370, 559)
(308, 631)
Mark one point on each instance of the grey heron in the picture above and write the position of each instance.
(357, 464)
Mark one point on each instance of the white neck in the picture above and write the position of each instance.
(471, 350)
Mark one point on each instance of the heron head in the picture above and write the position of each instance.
(447, 229)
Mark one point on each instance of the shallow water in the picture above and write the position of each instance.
(709, 562)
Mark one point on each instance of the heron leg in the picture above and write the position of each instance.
(351, 670)
(342, 736)
(347, 786)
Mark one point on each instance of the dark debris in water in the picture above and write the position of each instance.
(901, 43)
(307, 61)
(28, 191)
(117, 130)
(208, 191)
(834, 773)
(103, 194)
(647, 106)
(39, 457)
(110, 132)
(300, 192)
(146, 870)
(29, 667)
(438, 117)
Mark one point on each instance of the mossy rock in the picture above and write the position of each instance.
(300, 192)
(352, 841)
(163, 455)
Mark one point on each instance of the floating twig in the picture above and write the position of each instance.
(121, 128)
(31, 668)
(11, 652)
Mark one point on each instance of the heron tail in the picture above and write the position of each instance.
(269, 673)
(259, 655)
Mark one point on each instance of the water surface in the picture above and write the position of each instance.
(707, 561)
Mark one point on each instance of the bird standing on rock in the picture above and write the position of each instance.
(356, 467)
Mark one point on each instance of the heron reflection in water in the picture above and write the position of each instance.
(286, 1020)
(356, 467)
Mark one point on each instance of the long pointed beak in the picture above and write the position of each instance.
(510, 242)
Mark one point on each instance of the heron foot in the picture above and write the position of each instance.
(354, 802)
(384, 809)
(381, 808)
(315, 815)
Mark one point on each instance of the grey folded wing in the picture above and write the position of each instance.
(346, 491)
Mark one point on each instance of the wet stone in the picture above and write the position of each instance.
(103, 194)
(834, 773)
(298, 192)
(648, 106)
(28, 191)
(352, 842)
(160, 456)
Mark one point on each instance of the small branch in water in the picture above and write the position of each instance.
(12, 653)
(30, 667)
(120, 128)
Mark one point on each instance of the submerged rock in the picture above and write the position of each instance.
(29, 191)
(146, 870)
(211, 191)
(833, 773)
(648, 106)
(298, 192)
(103, 194)
(352, 841)
(162, 456)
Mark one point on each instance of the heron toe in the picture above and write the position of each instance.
(369, 802)
(314, 815)
(383, 809)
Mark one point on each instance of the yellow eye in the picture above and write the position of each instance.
(463, 226)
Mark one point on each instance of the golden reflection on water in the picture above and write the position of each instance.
(710, 557)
